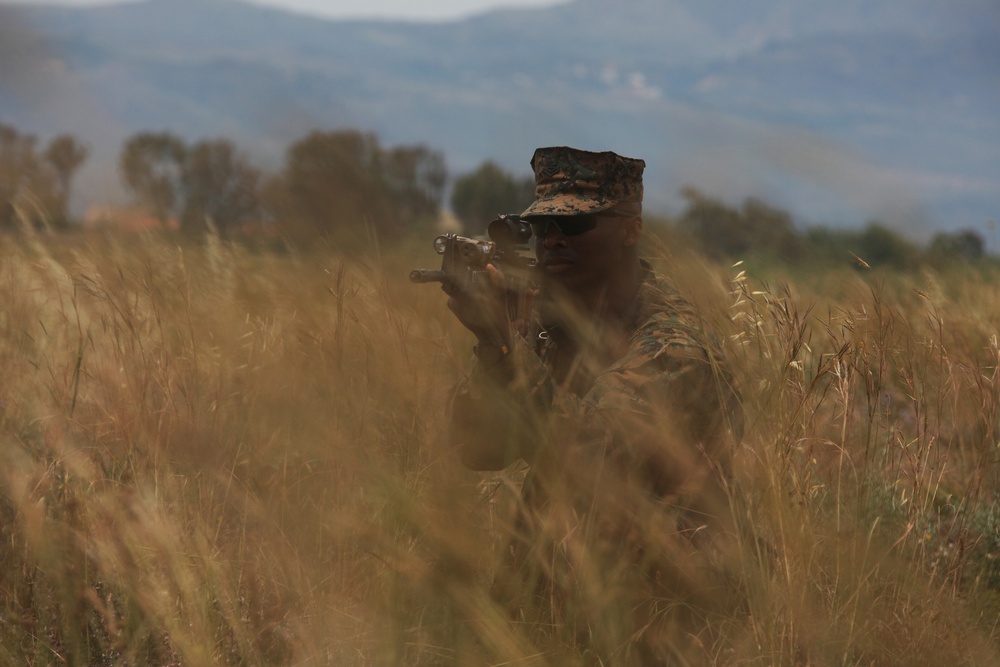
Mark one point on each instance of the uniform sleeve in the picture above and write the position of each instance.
(659, 415)
(662, 420)
(496, 411)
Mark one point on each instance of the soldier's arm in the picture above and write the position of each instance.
(496, 409)
(652, 429)
(661, 417)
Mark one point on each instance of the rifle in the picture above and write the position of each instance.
(464, 260)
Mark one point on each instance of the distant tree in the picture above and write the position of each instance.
(875, 245)
(728, 232)
(152, 165)
(34, 187)
(720, 230)
(17, 162)
(330, 182)
(344, 183)
(219, 187)
(417, 176)
(830, 245)
(64, 155)
(481, 195)
(771, 230)
(963, 245)
(207, 184)
(878, 245)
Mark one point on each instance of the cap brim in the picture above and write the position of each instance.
(567, 205)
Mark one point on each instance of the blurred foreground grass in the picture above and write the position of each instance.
(211, 455)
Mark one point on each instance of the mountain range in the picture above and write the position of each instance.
(840, 112)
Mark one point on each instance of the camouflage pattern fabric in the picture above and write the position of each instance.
(569, 181)
(667, 354)
(625, 496)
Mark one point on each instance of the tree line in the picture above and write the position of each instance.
(757, 229)
(345, 184)
(35, 180)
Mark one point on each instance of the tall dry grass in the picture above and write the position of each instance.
(213, 455)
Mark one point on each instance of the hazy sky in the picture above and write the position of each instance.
(425, 10)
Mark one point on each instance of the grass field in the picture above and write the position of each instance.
(213, 455)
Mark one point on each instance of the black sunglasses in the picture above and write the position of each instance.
(570, 225)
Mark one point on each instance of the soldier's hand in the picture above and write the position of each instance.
(483, 311)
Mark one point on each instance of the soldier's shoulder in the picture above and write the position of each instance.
(668, 334)
(667, 322)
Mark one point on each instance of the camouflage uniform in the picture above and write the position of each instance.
(628, 447)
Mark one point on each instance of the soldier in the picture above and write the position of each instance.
(608, 388)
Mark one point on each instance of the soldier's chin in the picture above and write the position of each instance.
(560, 285)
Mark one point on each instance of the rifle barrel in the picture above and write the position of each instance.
(427, 276)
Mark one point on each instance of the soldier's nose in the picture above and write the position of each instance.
(551, 235)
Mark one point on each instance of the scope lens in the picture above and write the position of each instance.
(509, 230)
(440, 244)
(472, 251)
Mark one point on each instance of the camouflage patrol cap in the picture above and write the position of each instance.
(569, 181)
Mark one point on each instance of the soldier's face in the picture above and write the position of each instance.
(581, 253)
